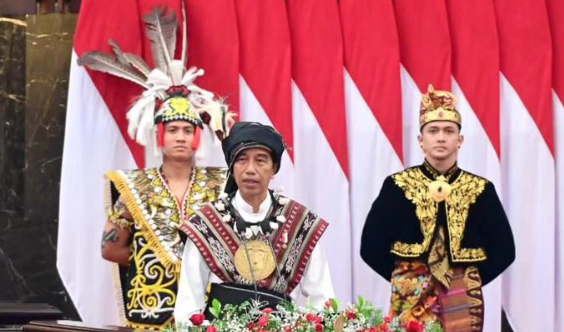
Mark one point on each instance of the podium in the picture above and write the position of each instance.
(12, 313)
(71, 326)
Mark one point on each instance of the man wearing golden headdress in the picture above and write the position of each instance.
(146, 207)
(436, 232)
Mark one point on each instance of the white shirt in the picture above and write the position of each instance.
(316, 284)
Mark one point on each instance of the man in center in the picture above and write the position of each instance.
(252, 240)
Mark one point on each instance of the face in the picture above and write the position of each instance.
(253, 169)
(178, 138)
(440, 141)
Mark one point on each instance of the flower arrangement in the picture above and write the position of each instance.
(254, 317)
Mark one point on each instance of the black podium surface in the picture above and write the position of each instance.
(71, 326)
(21, 313)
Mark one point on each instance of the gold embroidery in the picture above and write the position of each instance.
(415, 186)
(157, 217)
(464, 192)
(155, 210)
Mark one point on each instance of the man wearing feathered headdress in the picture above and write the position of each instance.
(146, 207)
(436, 232)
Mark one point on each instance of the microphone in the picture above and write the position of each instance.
(244, 242)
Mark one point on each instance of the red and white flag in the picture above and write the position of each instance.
(374, 121)
(95, 141)
(527, 161)
(266, 83)
(475, 71)
(425, 55)
(320, 129)
(555, 9)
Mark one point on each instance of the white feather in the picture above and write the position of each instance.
(146, 123)
(176, 70)
(143, 104)
(159, 78)
(191, 75)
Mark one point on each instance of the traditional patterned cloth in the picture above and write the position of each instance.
(435, 292)
(438, 238)
(292, 242)
(149, 283)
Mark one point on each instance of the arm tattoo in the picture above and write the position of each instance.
(109, 236)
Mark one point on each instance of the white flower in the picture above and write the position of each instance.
(220, 206)
(227, 218)
(223, 195)
(283, 200)
(248, 233)
(281, 219)
(274, 225)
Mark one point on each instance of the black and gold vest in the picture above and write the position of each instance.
(150, 282)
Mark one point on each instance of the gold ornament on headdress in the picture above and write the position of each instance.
(438, 106)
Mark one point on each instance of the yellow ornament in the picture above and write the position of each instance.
(261, 260)
(439, 189)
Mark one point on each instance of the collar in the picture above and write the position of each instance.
(245, 210)
(433, 174)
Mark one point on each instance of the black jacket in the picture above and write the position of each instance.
(394, 230)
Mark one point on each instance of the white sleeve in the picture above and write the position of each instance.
(316, 284)
(194, 277)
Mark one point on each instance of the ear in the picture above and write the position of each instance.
(460, 140)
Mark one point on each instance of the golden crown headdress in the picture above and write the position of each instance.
(438, 106)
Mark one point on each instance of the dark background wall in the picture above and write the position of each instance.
(34, 66)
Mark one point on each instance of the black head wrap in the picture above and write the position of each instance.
(247, 135)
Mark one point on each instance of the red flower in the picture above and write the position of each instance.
(318, 320)
(383, 327)
(414, 326)
(287, 329)
(267, 311)
(351, 314)
(328, 304)
(387, 320)
(311, 317)
(263, 321)
(373, 329)
(211, 328)
(319, 327)
(197, 319)
(251, 326)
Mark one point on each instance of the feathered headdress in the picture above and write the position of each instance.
(170, 93)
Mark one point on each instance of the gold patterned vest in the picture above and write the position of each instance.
(150, 283)
(464, 189)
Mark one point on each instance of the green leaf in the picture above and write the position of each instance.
(334, 304)
(216, 304)
(361, 301)
(216, 313)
